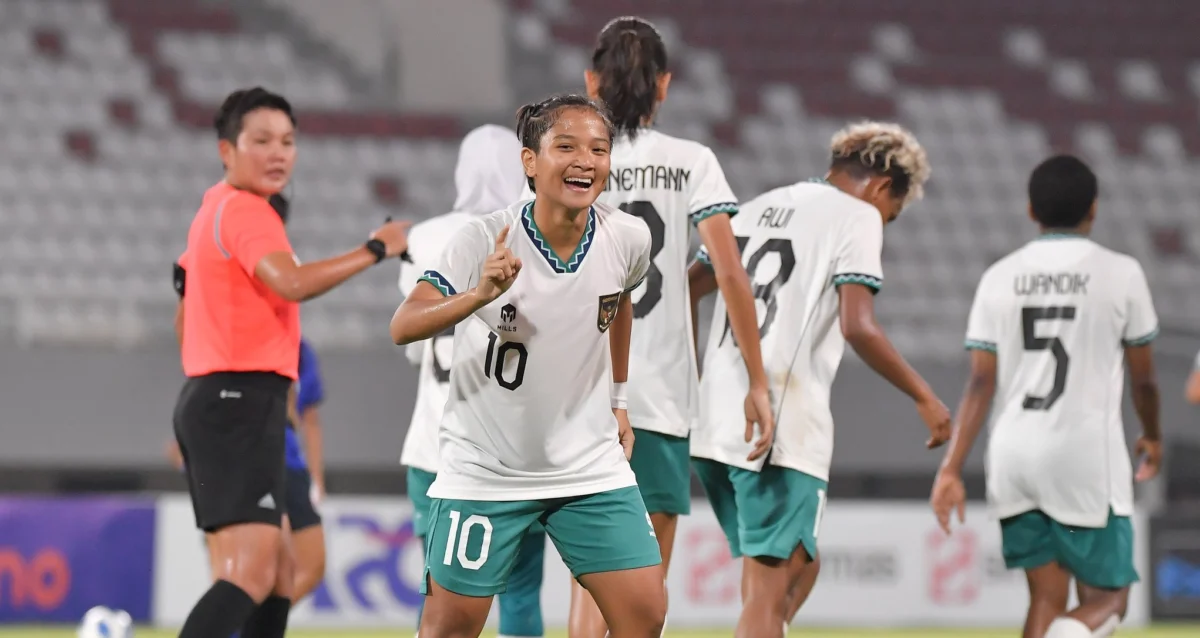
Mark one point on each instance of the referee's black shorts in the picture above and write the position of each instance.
(230, 429)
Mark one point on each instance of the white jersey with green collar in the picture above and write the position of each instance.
(799, 243)
(1058, 313)
(672, 184)
(529, 414)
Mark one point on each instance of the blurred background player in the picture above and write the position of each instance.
(240, 352)
(535, 426)
(668, 182)
(814, 251)
(1051, 328)
(304, 490)
(488, 178)
(1192, 392)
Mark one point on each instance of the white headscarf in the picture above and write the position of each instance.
(489, 175)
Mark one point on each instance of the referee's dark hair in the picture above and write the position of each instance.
(1062, 190)
(228, 120)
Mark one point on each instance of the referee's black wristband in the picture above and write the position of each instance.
(377, 248)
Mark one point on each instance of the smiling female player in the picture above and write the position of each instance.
(535, 429)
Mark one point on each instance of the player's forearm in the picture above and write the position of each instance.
(877, 351)
(743, 320)
(418, 319)
(619, 335)
(701, 283)
(1146, 403)
(313, 446)
(972, 412)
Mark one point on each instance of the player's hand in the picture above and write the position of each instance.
(499, 270)
(948, 496)
(394, 236)
(758, 411)
(936, 416)
(624, 432)
(1151, 453)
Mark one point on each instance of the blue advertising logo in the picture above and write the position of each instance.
(1176, 577)
(384, 565)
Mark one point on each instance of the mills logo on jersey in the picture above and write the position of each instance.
(608, 310)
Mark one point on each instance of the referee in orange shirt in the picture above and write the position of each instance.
(240, 352)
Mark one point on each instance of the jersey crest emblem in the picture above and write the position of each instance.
(608, 310)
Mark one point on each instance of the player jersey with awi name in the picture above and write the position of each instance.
(1058, 312)
(799, 243)
(672, 184)
(529, 415)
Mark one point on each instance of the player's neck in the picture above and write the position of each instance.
(559, 225)
(1076, 231)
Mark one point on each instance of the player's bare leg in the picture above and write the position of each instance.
(804, 578)
(309, 548)
(450, 615)
(1049, 590)
(1099, 613)
(633, 602)
(767, 585)
(585, 619)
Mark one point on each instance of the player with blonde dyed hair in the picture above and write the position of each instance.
(813, 252)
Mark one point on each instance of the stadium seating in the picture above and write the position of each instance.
(107, 106)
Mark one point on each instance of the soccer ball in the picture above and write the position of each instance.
(102, 622)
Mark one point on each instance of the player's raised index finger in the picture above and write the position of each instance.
(501, 238)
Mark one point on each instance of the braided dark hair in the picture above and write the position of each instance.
(535, 120)
(629, 58)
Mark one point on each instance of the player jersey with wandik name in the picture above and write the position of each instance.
(1058, 312)
(668, 182)
(426, 242)
(798, 243)
(529, 413)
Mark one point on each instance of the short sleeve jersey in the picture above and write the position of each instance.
(1058, 313)
(672, 184)
(799, 244)
(427, 241)
(232, 321)
(529, 415)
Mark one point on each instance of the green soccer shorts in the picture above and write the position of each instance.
(473, 545)
(664, 477)
(1098, 557)
(767, 513)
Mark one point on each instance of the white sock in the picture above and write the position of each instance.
(785, 627)
(1067, 627)
(1108, 628)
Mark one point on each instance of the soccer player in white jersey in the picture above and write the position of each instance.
(673, 184)
(813, 251)
(535, 429)
(488, 177)
(1049, 333)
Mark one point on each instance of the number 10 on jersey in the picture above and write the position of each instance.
(493, 365)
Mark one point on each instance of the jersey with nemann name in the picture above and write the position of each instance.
(426, 242)
(672, 184)
(529, 414)
(1058, 313)
(799, 244)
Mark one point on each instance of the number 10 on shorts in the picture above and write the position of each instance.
(461, 533)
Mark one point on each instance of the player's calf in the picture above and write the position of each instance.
(632, 601)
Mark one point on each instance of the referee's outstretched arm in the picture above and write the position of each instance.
(295, 282)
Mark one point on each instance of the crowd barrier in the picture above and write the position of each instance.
(884, 564)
